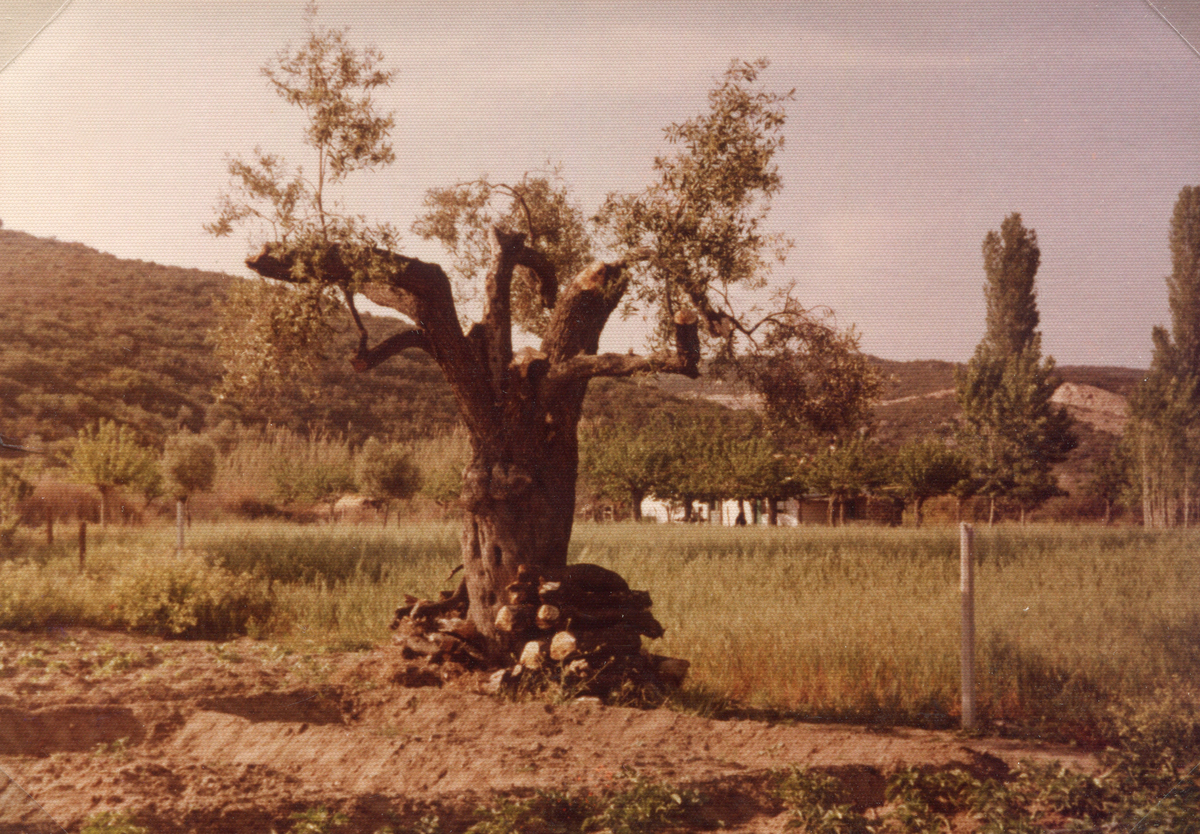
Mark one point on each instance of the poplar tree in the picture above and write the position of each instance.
(1014, 432)
(1165, 409)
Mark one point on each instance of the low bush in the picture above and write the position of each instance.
(640, 806)
(187, 597)
(1148, 785)
(34, 597)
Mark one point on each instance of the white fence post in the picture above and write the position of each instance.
(967, 574)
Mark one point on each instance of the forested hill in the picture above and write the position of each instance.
(85, 335)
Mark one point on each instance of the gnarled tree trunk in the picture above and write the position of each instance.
(521, 410)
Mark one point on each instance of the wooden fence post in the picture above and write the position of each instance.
(179, 519)
(967, 574)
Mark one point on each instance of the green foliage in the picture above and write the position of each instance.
(1110, 479)
(814, 800)
(554, 812)
(844, 471)
(112, 822)
(187, 597)
(442, 459)
(624, 463)
(1159, 734)
(814, 381)
(1034, 797)
(1014, 431)
(1010, 262)
(387, 473)
(14, 488)
(1015, 434)
(189, 464)
(702, 218)
(311, 469)
(134, 348)
(272, 335)
(461, 217)
(331, 83)
(309, 555)
(1183, 284)
(317, 821)
(109, 456)
(733, 458)
(927, 468)
(643, 806)
(32, 597)
(1165, 409)
(129, 347)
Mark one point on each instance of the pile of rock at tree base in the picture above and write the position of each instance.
(578, 627)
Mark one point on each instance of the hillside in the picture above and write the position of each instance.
(85, 335)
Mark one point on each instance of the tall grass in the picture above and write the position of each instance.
(340, 584)
(864, 622)
(855, 622)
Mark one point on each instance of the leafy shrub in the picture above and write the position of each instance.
(187, 597)
(814, 800)
(112, 822)
(566, 813)
(644, 806)
(317, 821)
(1159, 734)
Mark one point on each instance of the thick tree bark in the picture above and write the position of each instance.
(636, 496)
(521, 410)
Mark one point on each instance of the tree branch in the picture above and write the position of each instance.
(426, 283)
(581, 314)
(540, 266)
(497, 312)
(422, 292)
(585, 366)
(685, 361)
(364, 358)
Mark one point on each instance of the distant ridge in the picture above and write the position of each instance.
(86, 335)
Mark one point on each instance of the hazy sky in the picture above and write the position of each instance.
(917, 127)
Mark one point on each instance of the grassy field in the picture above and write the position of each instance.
(854, 623)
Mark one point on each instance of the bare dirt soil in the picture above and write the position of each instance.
(237, 737)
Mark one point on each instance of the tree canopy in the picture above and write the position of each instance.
(1010, 261)
(679, 252)
(1010, 426)
(109, 456)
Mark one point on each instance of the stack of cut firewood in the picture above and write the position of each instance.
(581, 626)
(439, 631)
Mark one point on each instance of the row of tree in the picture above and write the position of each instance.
(689, 462)
(114, 460)
(1011, 434)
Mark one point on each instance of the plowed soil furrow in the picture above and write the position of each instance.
(191, 737)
